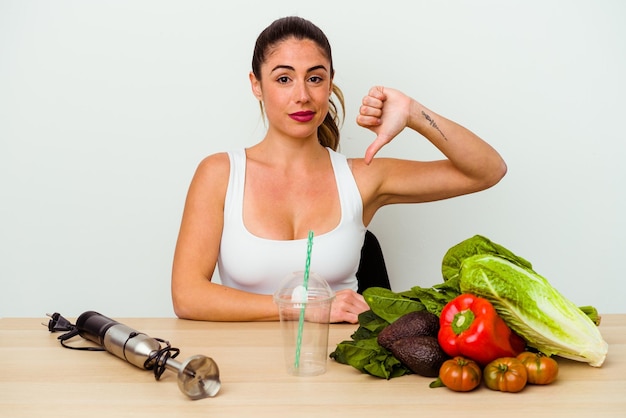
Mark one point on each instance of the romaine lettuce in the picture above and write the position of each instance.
(533, 308)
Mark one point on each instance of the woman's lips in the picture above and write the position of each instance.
(302, 116)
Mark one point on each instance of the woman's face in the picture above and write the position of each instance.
(295, 88)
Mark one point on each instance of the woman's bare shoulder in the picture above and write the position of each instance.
(214, 164)
(212, 172)
(219, 160)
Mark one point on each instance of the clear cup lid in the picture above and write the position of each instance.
(292, 289)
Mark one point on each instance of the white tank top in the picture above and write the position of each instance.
(258, 265)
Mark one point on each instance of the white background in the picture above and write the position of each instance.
(106, 108)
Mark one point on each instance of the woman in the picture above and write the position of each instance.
(249, 211)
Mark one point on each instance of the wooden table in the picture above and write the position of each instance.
(39, 378)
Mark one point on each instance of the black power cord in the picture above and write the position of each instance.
(58, 323)
(157, 360)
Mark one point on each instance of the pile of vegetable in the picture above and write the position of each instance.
(486, 288)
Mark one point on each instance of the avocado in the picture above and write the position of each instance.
(418, 323)
(422, 354)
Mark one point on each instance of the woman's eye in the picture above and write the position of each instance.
(316, 79)
(283, 79)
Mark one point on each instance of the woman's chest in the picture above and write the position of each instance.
(284, 206)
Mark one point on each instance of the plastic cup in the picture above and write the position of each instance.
(304, 319)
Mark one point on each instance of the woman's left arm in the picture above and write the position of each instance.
(470, 165)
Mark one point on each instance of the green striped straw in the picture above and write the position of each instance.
(307, 266)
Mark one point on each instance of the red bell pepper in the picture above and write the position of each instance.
(471, 327)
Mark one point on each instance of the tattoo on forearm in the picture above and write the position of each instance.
(432, 123)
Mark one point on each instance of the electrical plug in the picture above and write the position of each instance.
(59, 323)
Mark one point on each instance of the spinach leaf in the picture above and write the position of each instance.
(369, 357)
(433, 300)
(390, 305)
(370, 325)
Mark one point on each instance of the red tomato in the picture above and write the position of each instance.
(506, 374)
(541, 369)
(460, 374)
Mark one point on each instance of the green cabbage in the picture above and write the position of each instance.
(526, 301)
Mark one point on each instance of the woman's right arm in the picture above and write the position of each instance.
(194, 296)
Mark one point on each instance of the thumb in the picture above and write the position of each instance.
(380, 141)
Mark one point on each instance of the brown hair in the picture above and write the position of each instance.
(299, 28)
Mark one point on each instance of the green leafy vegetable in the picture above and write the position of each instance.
(435, 298)
(454, 257)
(365, 354)
(370, 325)
(389, 305)
(527, 302)
(369, 357)
(592, 313)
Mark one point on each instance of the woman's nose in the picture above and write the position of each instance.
(302, 93)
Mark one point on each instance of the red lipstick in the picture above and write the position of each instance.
(303, 116)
